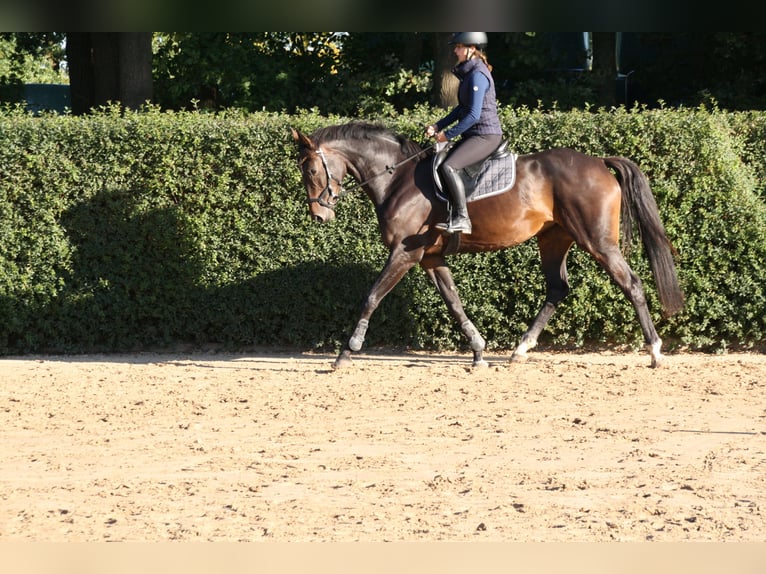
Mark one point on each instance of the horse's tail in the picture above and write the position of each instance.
(640, 206)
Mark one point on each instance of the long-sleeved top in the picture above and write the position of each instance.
(476, 112)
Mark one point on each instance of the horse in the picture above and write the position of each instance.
(560, 196)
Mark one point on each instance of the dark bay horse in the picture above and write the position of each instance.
(560, 196)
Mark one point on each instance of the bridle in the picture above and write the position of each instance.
(334, 197)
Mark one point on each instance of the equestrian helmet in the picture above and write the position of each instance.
(478, 39)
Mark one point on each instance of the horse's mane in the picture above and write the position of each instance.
(357, 130)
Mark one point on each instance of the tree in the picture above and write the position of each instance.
(605, 67)
(27, 57)
(445, 82)
(377, 74)
(259, 70)
(109, 67)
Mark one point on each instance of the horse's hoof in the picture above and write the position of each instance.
(344, 359)
(655, 351)
(480, 364)
(342, 362)
(520, 352)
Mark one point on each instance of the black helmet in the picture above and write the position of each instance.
(478, 39)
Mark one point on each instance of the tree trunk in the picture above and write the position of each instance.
(444, 82)
(80, 63)
(106, 68)
(109, 67)
(135, 60)
(413, 50)
(605, 66)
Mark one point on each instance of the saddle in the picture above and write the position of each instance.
(488, 177)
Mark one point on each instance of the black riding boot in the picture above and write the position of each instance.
(452, 180)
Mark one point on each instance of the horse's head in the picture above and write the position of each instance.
(322, 170)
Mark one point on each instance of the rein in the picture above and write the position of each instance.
(334, 197)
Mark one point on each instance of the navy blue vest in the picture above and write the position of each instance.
(488, 123)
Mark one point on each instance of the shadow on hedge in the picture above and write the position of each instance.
(135, 282)
(308, 305)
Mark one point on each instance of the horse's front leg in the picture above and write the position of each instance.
(399, 262)
(442, 278)
(357, 338)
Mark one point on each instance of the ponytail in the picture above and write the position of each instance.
(483, 56)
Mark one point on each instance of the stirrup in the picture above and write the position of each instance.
(463, 226)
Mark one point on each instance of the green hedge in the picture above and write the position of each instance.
(146, 230)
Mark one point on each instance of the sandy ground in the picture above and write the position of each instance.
(399, 447)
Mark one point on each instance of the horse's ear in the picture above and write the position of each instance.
(302, 140)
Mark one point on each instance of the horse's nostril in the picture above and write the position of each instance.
(317, 219)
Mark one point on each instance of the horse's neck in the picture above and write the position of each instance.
(370, 165)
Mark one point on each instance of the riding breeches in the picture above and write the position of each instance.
(472, 150)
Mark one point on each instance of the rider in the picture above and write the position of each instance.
(477, 122)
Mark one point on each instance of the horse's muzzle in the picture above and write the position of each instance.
(322, 215)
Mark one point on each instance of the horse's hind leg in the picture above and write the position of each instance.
(445, 284)
(614, 263)
(554, 246)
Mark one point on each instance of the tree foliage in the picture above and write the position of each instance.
(380, 74)
(255, 71)
(366, 74)
(27, 57)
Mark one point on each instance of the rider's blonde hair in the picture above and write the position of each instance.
(478, 53)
